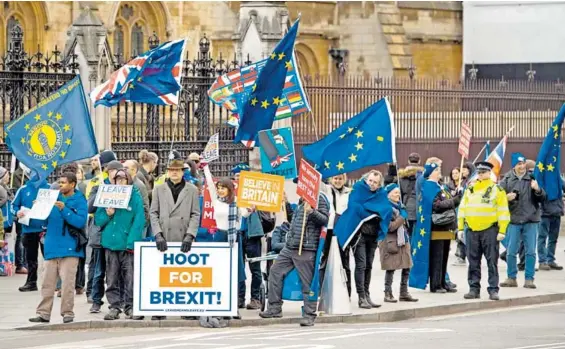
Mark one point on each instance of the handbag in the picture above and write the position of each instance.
(444, 218)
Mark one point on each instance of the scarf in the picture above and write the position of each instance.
(175, 189)
(233, 219)
(398, 209)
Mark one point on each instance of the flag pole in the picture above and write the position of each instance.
(479, 154)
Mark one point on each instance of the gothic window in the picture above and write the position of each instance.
(137, 40)
(127, 12)
(119, 41)
(12, 22)
(6, 5)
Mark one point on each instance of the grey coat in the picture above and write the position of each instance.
(93, 231)
(526, 208)
(175, 219)
(145, 196)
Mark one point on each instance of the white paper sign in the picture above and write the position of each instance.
(25, 219)
(113, 196)
(202, 282)
(43, 204)
(212, 150)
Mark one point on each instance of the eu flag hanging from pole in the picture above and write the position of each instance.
(259, 109)
(547, 171)
(58, 130)
(367, 139)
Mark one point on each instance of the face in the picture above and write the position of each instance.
(222, 191)
(111, 174)
(520, 168)
(338, 181)
(94, 163)
(455, 174)
(374, 181)
(153, 165)
(483, 175)
(436, 174)
(65, 186)
(394, 195)
(175, 174)
(121, 181)
(130, 167)
(80, 175)
(464, 172)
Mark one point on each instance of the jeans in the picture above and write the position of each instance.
(547, 239)
(364, 253)
(479, 244)
(98, 267)
(19, 249)
(252, 248)
(32, 242)
(389, 275)
(119, 264)
(528, 233)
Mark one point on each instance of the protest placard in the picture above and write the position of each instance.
(261, 190)
(208, 220)
(202, 282)
(308, 186)
(113, 196)
(277, 152)
(43, 204)
(212, 150)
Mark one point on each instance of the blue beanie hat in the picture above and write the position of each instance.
(391, 187)
(516, 158)
(428, 169)
(239, 167)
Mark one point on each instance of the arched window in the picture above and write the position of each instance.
(137, 40)
(119, 42)
(12, 22)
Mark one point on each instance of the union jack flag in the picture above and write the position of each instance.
(496, 158)
(153, 77)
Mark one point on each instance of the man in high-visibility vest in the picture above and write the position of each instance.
(484, 210)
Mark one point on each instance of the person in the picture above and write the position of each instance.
(407, 183)
(525, 198)
(551, 212)
(338, 194)
(394, 248)
(121, 228)
(63, 248)
(105, 158)
(32, 232)
(289, 258)
(94, 167)
(484, 210)
(148, 161)
(82, 180)
(132, 167)
(175, 211)
(8, 221)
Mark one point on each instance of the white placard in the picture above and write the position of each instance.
(113, 196)
(25, 219)
(43, 204)
(202, 282)
(212, 150)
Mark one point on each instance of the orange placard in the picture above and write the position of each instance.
(185, 277)
(264, 191)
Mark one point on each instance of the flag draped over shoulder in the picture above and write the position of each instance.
(152, 77)
(362, 206)
(421, 236)
(259, 108)
(548, 161)
(55, 132)
(366, 139)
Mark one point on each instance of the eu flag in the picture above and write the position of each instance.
(58, 130)
(366, 139)
(549, 157)
(259, 109)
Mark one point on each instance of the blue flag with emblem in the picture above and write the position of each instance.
(367, 139)
(421, 236)
(259, 109)
(362, 206)
(548, 161)
(58, 130)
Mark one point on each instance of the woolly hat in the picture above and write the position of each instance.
(391, 187)
(429, 168)
(517, 158)
(106, 157)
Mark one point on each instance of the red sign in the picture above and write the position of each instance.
(465, 140)
(308, 183)
(207, 218)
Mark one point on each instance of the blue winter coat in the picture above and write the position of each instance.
(25, 196)
(59, 243)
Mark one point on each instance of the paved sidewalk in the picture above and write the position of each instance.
(17, 307)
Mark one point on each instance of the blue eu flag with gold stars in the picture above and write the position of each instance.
(367, 139)
(260, 107)
(56, 131)
(547, 171)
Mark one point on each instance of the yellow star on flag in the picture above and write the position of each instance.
(276, 101)
(555, 135)
(359, 146)
(419, 244)
(413, 252)
(264, 104)
(327, 164)
(254, 101)
(50, 114)
(422, 219)
(550, 167)
(353, 158)
(54, 164)
(281, 56)
(359, 134)
(68, 141)
(63, 154)
(27, 127)
(380, 138)
(340, 166)
(288, 65)
(555, 128)
(273, 55)
(67, 128)
(44, 166)
(254, 87)
(58, 116)
(540, 167)
(350, 129)
(420, 209)
(342, 136)
(23, 140)
(37, 117)
(422, 231)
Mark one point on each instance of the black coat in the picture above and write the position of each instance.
(526, 207)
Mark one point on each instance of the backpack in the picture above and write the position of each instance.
(78, 234)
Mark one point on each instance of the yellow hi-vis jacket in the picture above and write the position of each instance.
(484, 204)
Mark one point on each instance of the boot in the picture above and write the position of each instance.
(472, 295)
(363, 304)
(555, 266)
(389, 298)
(494, 296)
(529, 284)
(371, 303)
(269, 314)
(544, 266)
(406, 297)
(28, 288)
(509, 283)
(254, 305)
(113, 314)
(307, 321)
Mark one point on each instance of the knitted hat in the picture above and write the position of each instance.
(517, 158)
(414, 158)
(391, 187)
(429, 168)
(106, 156)
(114, 165)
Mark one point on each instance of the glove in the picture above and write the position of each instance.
(186, 243)
(460, 235)
(500, 237)
(161, 242)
